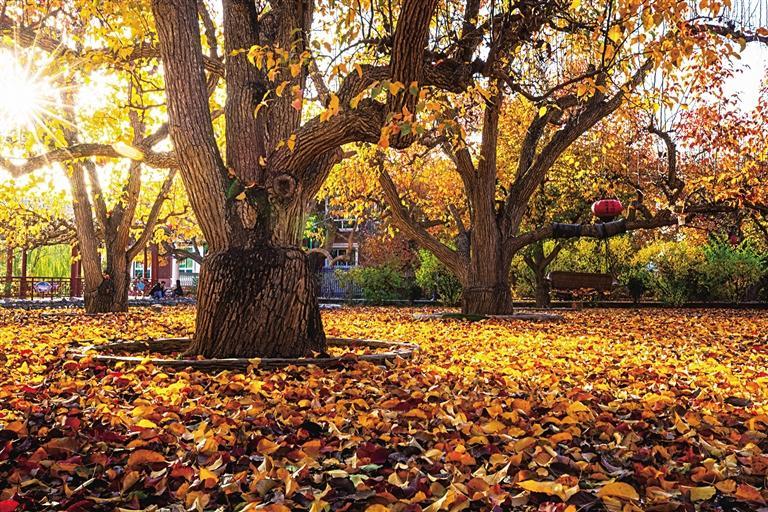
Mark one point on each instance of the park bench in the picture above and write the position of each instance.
(560, 281)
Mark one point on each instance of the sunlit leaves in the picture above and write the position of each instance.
(609, 409)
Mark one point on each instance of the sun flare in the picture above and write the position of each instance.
(26, 95)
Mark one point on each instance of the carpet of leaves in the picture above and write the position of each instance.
(609, 410)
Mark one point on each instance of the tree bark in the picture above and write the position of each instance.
(487, 289)
(111, 295)
(259, 302)
(542, 290)
(491, 299)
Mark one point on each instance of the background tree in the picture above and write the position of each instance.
(65, 115)
(576, 69)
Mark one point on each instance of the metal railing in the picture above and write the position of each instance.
(332, 288)
(43, 287)
(40, 287)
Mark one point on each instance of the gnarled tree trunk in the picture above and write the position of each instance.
(111, 294)
(487, 290)
(257, 302)
(257, 296)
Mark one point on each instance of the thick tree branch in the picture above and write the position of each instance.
(79, 151)
(97, 195)
(128, 206)
(182, 254)
(191, 128)
(412, 228)
(674, 185)
(152, 217)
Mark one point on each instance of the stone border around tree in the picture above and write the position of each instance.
(401, 350)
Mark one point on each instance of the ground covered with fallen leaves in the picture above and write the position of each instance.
(619, 410)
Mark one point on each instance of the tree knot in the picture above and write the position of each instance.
(283, 187)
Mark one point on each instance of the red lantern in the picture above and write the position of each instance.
(607, 209)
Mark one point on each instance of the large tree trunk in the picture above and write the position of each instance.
(111, 294)
(487, 290)
(487, 299)
(259, 302)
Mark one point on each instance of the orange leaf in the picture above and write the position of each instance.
(143, 457)
(619, 490)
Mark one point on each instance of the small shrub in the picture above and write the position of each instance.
(671, 270)
(434, 278)
(728, 271)
(378, 284)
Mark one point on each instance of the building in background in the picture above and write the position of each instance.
(340, 245)
(169, 270)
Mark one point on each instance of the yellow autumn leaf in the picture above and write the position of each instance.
(384, 137)
(267, 447)
(493, 427)
(208, 477)
(395, 88)
(702, 493)
(615, 34)
(618, 490)
(549, 488)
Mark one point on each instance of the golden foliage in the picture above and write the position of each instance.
(610, 409)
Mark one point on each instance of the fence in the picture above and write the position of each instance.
(38, 287)
(332, 288)
(189, 282)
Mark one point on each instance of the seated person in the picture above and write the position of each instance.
(157, 291)
(178, 291)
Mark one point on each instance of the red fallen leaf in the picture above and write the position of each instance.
(8, 505)
(107, 436)
(748, 493)
(374, 453)
(144, 457)
(72, 422)
(180, 471)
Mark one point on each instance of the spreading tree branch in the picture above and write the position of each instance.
(413, 229)
(152, 217)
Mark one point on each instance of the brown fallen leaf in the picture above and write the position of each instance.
(144, 457)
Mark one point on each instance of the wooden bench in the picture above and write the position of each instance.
(572, 281)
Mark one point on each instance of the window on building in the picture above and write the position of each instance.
(352, 260)
(138, 271)
(344, 224)
(187, 266)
